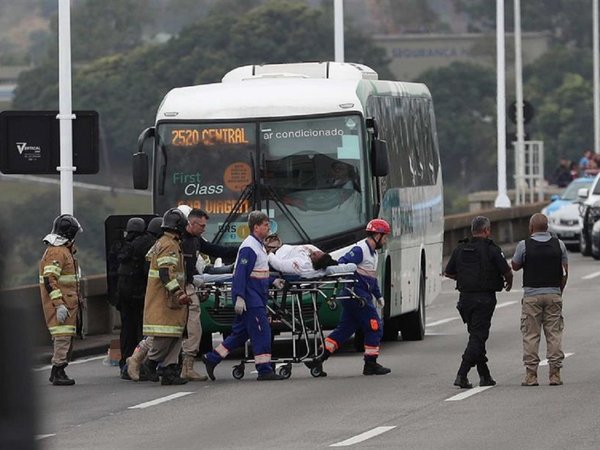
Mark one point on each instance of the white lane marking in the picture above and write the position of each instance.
(512, 291)
(441, 321)
(591, 275)
(544, 362)
(468, 393)
(79, 361)
(450, 319)
(433, 333)
(160, 400)
(503, 304)
(39, 437)
(363, 436)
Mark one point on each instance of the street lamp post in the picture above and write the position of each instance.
(65, 114)
(596, 81)
(338, 25)
(502, 200)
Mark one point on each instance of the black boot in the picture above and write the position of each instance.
(59, 377)
(462, 382)
(461, 377)
(170, 376)
(210, 367)
(485, 378)
(148, 368)
(269, 376)
(52, 374)
(372, 367)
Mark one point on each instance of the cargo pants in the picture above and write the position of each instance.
(537, 312)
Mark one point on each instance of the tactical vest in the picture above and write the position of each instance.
(543, 263)
(133, 267)
(475, 270)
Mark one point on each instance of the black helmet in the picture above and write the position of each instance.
(135, 225)
(66, 226)
(174, 220)
(155, 226)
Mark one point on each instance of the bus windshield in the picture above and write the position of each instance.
(310, 174)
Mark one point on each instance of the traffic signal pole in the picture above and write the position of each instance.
(65, 113)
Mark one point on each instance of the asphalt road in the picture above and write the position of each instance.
(414, 407)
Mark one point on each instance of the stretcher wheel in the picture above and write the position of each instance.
(316, 371)
(285, 371)
(238, 372)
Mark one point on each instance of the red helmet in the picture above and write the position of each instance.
(379, 226)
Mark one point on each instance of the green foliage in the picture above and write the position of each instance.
(23, 247)
(568, 21)
(558, 85)
(408, 16)
(126, 88)
(464, 98)
(102, 28)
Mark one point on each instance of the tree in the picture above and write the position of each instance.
(464, 101)
(568, 21)
(126, 88)
(103, 28)
(559, 87)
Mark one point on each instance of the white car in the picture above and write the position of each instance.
(588, 198)
(565, 223)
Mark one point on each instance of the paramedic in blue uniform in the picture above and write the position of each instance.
(250, 291)
(355, 314)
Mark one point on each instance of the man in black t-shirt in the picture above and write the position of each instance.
(480, 270)
(193, 246)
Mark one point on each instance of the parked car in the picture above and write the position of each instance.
(565, 224)
(569, 195)
(596, 240)
(589, 213)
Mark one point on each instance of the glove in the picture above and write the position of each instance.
(380, 302)
(240, 306)
(61, 313)
(278, 283)
(183, 298)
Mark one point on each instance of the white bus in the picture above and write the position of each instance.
(311, 144)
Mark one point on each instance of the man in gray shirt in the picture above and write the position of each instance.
(545, 268)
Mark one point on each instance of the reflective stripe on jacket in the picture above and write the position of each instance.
(58, 268)
(163, 316)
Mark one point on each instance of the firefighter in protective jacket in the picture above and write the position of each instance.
(59, 288)
(165, 314)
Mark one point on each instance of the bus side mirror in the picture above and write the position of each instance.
(140, 160)
(140, 170)
(380, 164)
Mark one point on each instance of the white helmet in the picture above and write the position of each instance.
(185, 209)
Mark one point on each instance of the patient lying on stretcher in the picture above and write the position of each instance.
(302, 261)
(306, 260)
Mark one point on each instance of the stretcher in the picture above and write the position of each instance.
(293, 306)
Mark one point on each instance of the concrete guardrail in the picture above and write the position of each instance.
(508, 227)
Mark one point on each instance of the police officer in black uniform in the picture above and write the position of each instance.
(480, 270)
(131, 285)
